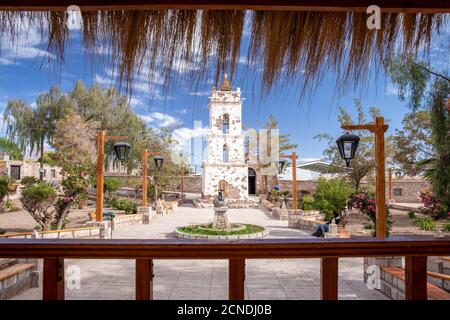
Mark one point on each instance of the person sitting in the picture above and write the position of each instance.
(324, 227)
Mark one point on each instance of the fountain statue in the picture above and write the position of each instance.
(220, 220)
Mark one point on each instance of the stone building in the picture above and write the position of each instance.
(224, 167)
(17, 169)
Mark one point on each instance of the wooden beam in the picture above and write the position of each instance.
(380, 185)
(236, 279)
(144, 279)
(416, 278)
(426, 6)
(53, 279)
(294, 181)
(369, 127)
(100, 176)
(329, 278)
(223, 249)
(144, 177)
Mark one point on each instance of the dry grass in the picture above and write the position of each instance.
(286, 45)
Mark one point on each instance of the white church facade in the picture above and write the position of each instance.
(224, 167)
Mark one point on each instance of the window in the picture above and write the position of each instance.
(225, 123)
(53, 173)
(397, 192)
(225, 154)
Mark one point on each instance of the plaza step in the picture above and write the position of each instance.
(16, 278)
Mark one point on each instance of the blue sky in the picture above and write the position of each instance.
(23, 76)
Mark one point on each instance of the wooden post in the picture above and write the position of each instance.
(99, 175)
(144, 279)
(53, 279)
(329, 278)
(390, 184)
(182, 178)
(416, 278)
(144, 177)
(236, 279)
(380, 178)
(294, 181)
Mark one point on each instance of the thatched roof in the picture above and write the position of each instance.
(283, 44)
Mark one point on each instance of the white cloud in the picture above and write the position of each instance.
(159, 119)
(7, 62)
(27, 44)
(182, 135)
(200, 93)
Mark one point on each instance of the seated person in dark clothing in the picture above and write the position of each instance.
(324, 227)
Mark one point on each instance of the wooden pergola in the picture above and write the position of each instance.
(410, 6)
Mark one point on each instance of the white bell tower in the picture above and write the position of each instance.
(225, 167)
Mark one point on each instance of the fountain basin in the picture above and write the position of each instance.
(237, 231)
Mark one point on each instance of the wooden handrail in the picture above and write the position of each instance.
(249, 249)
(54, 251)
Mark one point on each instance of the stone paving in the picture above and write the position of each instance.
(208, 279)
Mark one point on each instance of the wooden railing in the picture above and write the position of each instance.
(415, 251)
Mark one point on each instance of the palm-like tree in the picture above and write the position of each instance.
(31, 127)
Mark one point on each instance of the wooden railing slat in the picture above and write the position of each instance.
(241, 249)
(144, 279)
(329, 278)
(53, 279)
(416, 278)
(236, 279)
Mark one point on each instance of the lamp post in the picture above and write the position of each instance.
(293, 156)
(378, 128)
(390, 185)
(122, 151)
(158, 162)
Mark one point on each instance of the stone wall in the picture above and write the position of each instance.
(407, 190)
(192, 184)
(403, 190)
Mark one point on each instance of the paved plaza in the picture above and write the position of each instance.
(208, 279)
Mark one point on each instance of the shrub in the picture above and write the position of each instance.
(411, 215)
(111, 185)
(307, 203)
(433, 205)
(123, 204)
(446, 227)
(366, 204)
(425, 223)
(4, 190)
(38, 199)
(331, 196)
(28, 181)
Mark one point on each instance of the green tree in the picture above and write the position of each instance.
(412, 144)
(426, 89)
(363, 164)
(11, 148)
(331, 196)
(38, 199)
(31, 127)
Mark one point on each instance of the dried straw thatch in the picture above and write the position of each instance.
(284, 44)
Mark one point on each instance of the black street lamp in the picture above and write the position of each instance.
(122, 150)
(347, 145)
(280, 165)
(158, 162)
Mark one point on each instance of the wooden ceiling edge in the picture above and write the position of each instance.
(223, 7)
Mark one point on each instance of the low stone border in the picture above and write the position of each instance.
(257, 235)
(87, 232)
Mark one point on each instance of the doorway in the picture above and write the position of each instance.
(251, 181)
(15, 172)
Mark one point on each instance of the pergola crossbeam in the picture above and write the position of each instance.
(409, 6)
